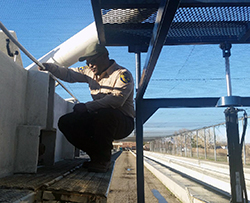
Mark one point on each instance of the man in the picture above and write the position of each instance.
(92, 126)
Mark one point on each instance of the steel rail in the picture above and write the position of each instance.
(6, 31)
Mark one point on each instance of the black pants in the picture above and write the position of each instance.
(95, 132)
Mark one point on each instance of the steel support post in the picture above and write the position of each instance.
(234, 153)
(139, 153)
(237, 179)
(139, 136)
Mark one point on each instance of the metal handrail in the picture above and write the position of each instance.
(5, 30)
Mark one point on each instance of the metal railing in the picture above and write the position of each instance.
(6, 31)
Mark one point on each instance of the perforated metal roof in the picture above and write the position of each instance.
(126, 22)
(147, 25)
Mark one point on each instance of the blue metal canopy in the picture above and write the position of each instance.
(129, 23)
(148, 25)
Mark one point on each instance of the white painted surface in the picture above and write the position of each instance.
(13, 80)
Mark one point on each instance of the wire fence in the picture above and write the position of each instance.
(209, 143)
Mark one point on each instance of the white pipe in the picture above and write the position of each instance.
(71, 50)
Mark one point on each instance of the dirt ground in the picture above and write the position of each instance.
(123, 184)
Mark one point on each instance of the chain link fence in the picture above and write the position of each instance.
(209, 143)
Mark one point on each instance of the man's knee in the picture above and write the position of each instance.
(64, 121)
(61, 121)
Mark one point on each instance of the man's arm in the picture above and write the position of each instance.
(66, 74)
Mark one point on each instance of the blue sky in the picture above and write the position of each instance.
(181, 71)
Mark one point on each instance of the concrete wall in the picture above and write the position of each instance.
(13, 81)
(27, 111)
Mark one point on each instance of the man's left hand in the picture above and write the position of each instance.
(80, 108)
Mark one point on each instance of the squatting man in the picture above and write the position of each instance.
(92, 126)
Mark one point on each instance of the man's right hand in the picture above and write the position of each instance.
(45, 66)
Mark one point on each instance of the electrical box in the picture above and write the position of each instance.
(9, 48)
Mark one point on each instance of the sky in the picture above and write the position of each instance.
(181, 71)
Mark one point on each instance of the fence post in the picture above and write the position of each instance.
(197, 144)
(205, 144)
(185, 137)
(215, 155)
(190, 141)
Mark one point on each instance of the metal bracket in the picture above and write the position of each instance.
(226, 49)
(11, 54)
(228, 101)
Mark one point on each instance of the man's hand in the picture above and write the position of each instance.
(80, 108)
(40, 68)
(45, 66)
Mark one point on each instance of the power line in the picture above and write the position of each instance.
(195, 79)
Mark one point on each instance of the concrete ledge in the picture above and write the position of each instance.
(180, 192)
(214, 176)
(174, 187)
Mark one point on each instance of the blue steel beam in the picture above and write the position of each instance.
(139, 152)
(150, 106)
(165, 15)
(127, 4)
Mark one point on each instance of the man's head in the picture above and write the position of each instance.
(97, 58)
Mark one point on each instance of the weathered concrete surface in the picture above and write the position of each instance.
(13, 80)
(27, 157)
(123, 185)
(27, 107)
